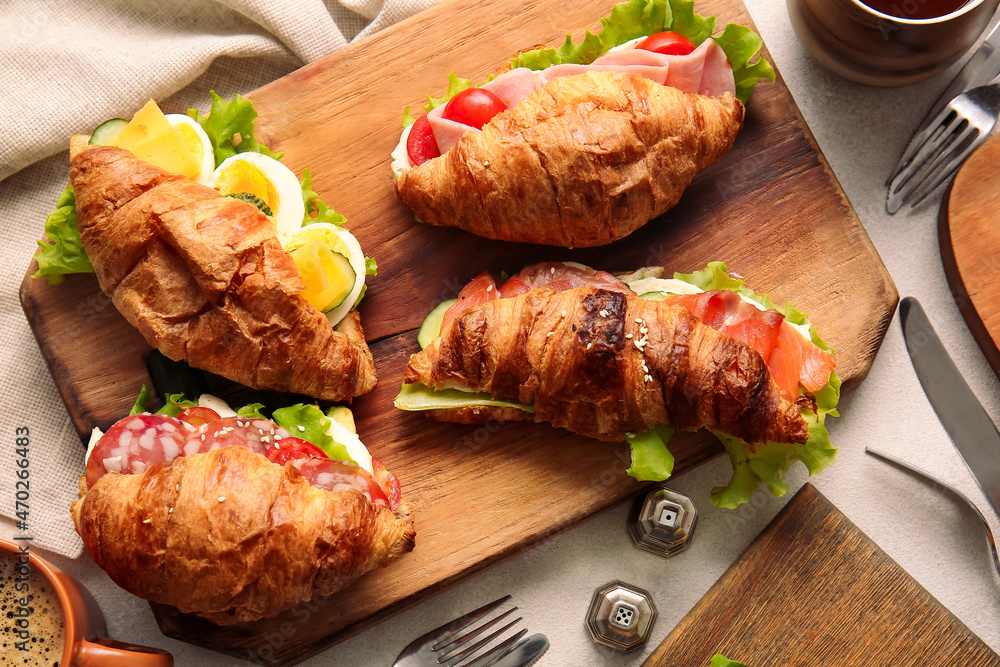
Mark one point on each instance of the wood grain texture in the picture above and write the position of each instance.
(772, 209)
(814, 591)
(969, 234)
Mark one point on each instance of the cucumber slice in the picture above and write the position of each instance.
(419, 398)
(431, 326)
(108, 131)
(653, 296)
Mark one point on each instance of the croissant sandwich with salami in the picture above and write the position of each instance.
(221, 266)
(582, 145)
(232, 518)
(634, 358)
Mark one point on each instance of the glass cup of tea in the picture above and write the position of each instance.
(50, 618)
(889, 42)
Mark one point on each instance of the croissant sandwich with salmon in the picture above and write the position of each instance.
(582, 145)
(634, 358)
(221, 266)
(227, 516)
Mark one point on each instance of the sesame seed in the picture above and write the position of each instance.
(649, 378)
(489, 288)
(643, 330)
(627, 336)
(222, 498)
(265, 439)
(203, 437)
(178, 487)
(564, 313)
(603, 313)
(589, 345)
(549, 334)
(301, 427)
(552, 271)
(170, 511)
(638, 320)
(486, 163)
(260, 431)
(147, 521)
(638, 344)
(630, 435)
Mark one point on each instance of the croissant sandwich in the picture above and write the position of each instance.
(582, 145)
(634, 357)
(214, 255)
(226, 515)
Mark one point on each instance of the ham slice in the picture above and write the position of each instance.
(705, 71)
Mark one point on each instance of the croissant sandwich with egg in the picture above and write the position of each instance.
(582, 145)
(226, 270)
(634, 358)
(232, 518)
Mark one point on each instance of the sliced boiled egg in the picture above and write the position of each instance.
(268, 180)
(197, 142)
(332, 266)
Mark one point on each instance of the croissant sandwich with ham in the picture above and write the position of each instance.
(582, 145)
(634, 358)
(218, 256)
(226, 515)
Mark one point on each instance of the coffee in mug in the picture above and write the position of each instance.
(31, 618)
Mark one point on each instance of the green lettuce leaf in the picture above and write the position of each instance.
(316, 210)
(65, 253)
(252, 411)
(719, 660)
(175, 405)
(229, 126)
(418, 397)
(310, 423)
(141, 401)
(651, 460)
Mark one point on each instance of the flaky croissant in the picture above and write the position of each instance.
(603, 364)
(204, 279)
(582, 161)
(233, 537)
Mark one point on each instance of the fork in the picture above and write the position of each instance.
(938, 150)
(961, 496)
(449, 644)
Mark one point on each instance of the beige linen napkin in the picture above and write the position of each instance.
(67, 66)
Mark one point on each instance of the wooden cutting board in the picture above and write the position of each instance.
(814, 591)
(969, 233)
(772, 209)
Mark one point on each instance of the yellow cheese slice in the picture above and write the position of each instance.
(151, 137)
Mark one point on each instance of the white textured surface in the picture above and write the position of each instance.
(861, 131)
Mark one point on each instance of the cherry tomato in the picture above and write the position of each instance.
(474, 107)
(421, 145)
(335, 476)
(198, 416)
(291, 448)
(388, 482)
(668, 43)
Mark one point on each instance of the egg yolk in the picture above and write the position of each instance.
(327, 275)
(244, 177)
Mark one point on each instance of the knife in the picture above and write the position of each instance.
(971, 429)
(981, 68)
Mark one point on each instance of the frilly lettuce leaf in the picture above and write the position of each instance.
(651, 460)
(65, 253)
(719, 660)
(229, 126)
(316, 210)
(174, 405)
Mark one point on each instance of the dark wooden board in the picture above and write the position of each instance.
(814, 591)
(772, 209)
(969, 234)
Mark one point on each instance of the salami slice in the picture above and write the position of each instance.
(255, 434)
(135, 443)
(334, 475)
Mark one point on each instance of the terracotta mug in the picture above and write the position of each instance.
(879, 49)
(81, 643)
